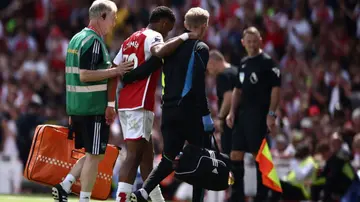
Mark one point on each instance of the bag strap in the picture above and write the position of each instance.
(215, 143)
(70, 132)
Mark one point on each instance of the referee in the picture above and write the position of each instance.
(225, 74)
(258, 89)
(185, 113)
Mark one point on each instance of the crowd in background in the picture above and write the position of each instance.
(315, 42)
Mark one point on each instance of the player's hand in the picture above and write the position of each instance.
(110, 115)
(194, 35)
(219, 125)
(70, 121)
(124, 67)
(270, 122)
(230, 120)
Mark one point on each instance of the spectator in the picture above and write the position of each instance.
(22, 42)
(56, 46)
(299, 31)
(282, 154)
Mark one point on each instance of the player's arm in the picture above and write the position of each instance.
(113, 82)
(201, 60)
(111, 90)
(235, 100)
(224, 85)
(92, 57)
(275, 91)
(144, 70)
(236, 96)
(165, 49)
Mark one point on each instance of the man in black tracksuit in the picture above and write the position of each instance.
(185, 113)
(254, 102)
(337, 177)
(226, 75)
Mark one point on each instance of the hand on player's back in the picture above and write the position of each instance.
(124, 67)
(194, 35)
(110, 115)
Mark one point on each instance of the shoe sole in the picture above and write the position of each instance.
(133, 198)
(55, 194)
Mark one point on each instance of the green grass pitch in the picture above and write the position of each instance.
(37, 198)
(34, 198)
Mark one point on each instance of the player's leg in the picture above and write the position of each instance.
(237, 160)
(129, 168)
(134, 128)
(95, 142)
(173, 139)
(254, 140)
(226, 142)
(60, 191)
(146, 166)
(73, 175)
(195, 135)
(226, 145)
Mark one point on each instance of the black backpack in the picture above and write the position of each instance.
(204, 168)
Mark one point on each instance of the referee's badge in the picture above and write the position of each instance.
(241, 77)
(253, 78)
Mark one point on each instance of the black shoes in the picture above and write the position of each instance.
(137, 197)
(59, 194)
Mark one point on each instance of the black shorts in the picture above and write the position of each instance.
(181, 125)
(249, 131)
(226, 140)
(91, 133)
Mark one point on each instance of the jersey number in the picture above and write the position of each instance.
(131, 57)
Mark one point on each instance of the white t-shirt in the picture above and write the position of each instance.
(303, 28)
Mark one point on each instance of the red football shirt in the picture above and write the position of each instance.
(136, 48)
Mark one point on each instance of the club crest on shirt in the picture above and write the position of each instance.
(253, 78)
(157, 39)
(241, 77)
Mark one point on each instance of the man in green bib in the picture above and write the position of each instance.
(88, 67)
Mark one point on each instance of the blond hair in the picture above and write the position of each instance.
(216, 55)
(251, 30)
(101, 7)
(196, 17)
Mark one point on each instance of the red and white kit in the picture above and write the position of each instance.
(136, 100)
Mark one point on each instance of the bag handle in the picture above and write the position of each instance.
(70, 132)
(215, 143)
(76, 154)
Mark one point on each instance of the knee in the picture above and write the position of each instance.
(93, 159)
(132, 158)
(81, 160)
(237, 156)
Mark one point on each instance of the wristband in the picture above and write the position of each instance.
(111, 104)
(184, 36)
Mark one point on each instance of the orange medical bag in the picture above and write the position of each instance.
(52, 155)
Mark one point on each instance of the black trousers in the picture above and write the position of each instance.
(179, 124)
(290, 193)
(249, 131)
(226, 140)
